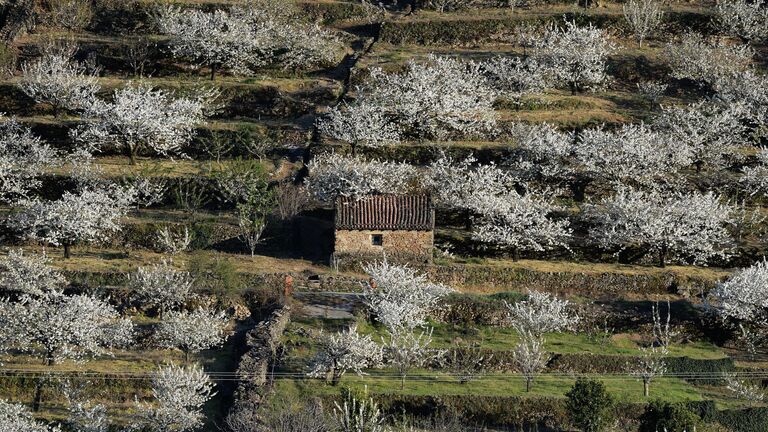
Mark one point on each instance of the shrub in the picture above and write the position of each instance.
(589, 405)
(672, 417)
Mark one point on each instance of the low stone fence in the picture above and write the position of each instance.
(262, 343)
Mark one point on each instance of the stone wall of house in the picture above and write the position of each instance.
(415, 246)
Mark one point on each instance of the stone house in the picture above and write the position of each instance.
(400, 227)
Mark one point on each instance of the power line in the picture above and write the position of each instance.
(497, 377)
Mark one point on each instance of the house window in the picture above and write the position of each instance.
(377, 239)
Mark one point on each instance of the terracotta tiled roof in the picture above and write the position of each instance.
(386, 212)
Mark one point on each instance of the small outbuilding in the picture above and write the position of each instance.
(400, 227)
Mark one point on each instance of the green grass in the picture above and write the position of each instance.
(505, 339)
(429, 383)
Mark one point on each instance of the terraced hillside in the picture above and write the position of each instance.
(599, 215)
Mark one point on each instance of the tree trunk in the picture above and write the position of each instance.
(213, 72)
(67, 252)
(402, 381)
(515, 254)
(37, 401)
(663, 256)
(528, 384)
(132, 150)
(646, 391)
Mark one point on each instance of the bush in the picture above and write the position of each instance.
(747, 420)
(672, 417)
(72, 15)
(589, 405)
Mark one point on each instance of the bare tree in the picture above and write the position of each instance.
(662, 329)
(643, 17)
(405, 350)
(291, 200)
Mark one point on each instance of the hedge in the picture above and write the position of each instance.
(744, 420)
(457, 31)
(482, 410)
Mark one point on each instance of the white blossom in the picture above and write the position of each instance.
(649, 365)
(515, 77)
(57, 79)
(346, 350)
(755, 178)
(174, 241)
(652, 90)
(745, 19)
(530, 358)
(643, 17)
(361, 124)
(547, 152)
(631, 153)
(435, 98)
(744, 295)
(752, 393)
(520, 222)
(30, 275)
(710, 132)
(406, 349)
(401, 297)
(358, 416)
(18, 418)
(179, 393)
(696, 58)
(140, 118)
(244, 38)
(192, 332)
(747, 90)
(86, 417)
(23, 159)
(576, 56)
(465, 184)
(162, 286)
(685, 225)
(541, 313)
(59, 327)
(333, 175)
(87, 216)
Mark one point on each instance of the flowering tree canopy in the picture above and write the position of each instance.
(244, 38)
(179, 393)
(90, 215)
(435, 98)
(687, 225)
(55, 78)
(192, 332)
(343, 351)
(332, 176)
(23, 159)
(745, 19)
(696, 58)
(399, 296)
(140, 118)
(29, 275)
(575, 56)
